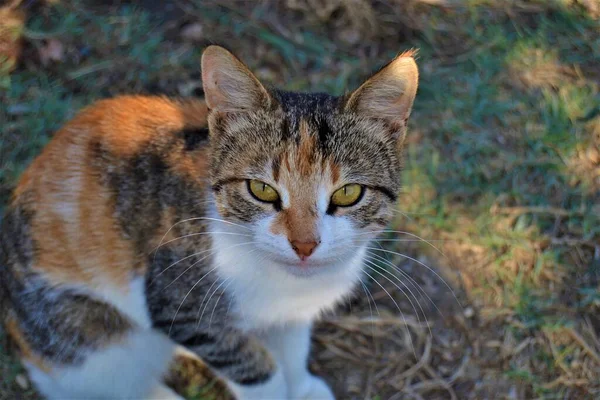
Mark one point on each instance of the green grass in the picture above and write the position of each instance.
(508, 105)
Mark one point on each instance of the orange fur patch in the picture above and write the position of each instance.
(77, 238)
(15, 334)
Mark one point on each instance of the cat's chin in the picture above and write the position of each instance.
(306, 268)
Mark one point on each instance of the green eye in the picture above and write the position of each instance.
(262, 191)
(347, 196)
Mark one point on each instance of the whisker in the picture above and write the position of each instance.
(410, 279)
(369, 298)
(372, 264)
(402, 213)
(203, 258)
(400, 240)
(424, 265)
(200, 234)
(177, 262)
(198, 315)
(404, 233)
(396, 268)
(230, 302)
(399, 310)
(403, 292)
(387, 260)
(186, 296)
(410, 213)
(195, 219)
(215, 307)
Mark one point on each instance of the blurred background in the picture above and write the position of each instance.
(502, 172)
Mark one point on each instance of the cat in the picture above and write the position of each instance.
(152, 228)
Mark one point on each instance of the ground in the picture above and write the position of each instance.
(489, 289)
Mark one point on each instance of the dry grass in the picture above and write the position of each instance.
(502, 172)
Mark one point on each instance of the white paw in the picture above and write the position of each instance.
(312, 388)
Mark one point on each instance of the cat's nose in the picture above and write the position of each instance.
(304, 249)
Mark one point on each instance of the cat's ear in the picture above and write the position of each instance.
(228, 84)
(389, 94)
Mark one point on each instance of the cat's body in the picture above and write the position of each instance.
(134, 237)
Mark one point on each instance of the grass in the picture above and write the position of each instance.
(502, 168)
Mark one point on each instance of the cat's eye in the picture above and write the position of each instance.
(263, 192)
(347, 195)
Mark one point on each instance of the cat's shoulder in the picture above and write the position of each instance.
(125, 123)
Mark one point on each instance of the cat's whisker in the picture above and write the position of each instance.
(398, 240)
(405, 215)
(212, 252)
(410, 279)
(399, 310)
(216, 303)
(186, 296)
(203, 258)
(194, 219)
(177, 262)
(223, 221)
(369, 298)
(415, 284)
(404, 233)
(369, 294)
(409, 290)
(378, 270)
(199, 315)
(200, 234)
(422, 264)
(410, 213)
(231, 300)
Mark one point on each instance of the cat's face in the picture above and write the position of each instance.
(311, 177)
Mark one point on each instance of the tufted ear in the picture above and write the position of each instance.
(389, 94)
(228, 84)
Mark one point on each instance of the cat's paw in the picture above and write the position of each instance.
(312, 388)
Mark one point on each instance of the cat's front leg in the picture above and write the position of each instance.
(243, 361)
(290, 345)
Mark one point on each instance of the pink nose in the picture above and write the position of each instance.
(304, 249)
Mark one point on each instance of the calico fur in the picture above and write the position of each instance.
(133, 240)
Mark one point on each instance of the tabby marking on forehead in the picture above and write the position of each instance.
(307, 150)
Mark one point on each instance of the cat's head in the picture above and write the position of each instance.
(311, 176)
